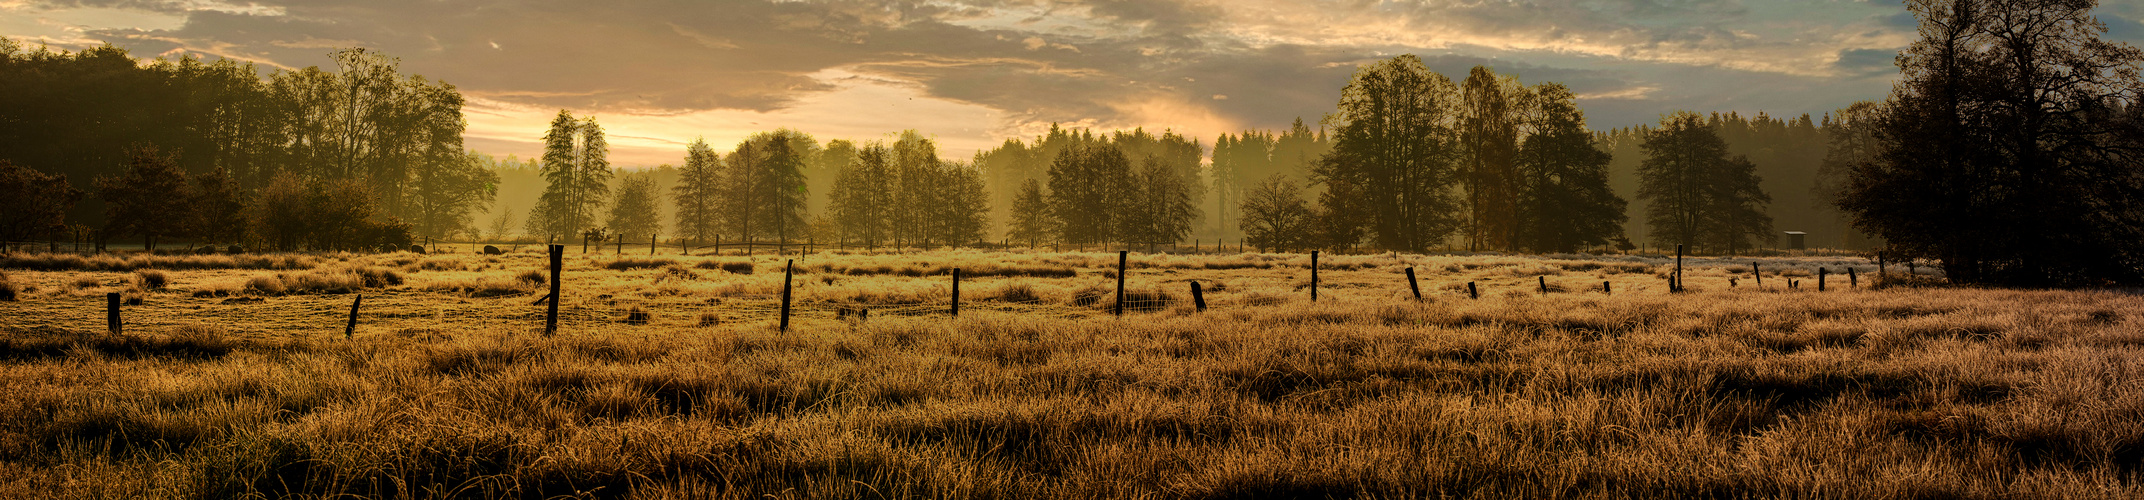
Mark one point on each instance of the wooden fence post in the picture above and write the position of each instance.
(652, 240)
(1122, 258)
(956, 291)
(111, 312)
(1820, 272)
(1313, 275)
(1413, 286)
(1676, 285)
(1606, 289)
(1753, 271)
(1473, 293)
(550, 316)
(1198, 297)
(1544, 284)
(1853, 280)
(348, 331)
(788, 269)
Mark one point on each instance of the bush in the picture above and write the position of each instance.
(8, 290)
(532, 277)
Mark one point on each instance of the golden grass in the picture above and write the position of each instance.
(671, 382)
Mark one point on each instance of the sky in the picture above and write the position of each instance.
(972, 73)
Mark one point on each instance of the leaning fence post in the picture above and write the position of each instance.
(787, 269)
(1852, 280)
(1544, 284)
(1122, 257)
(111, 312)
(652, 244)
(352, 329)
(1472, 292)
(1313, 275)
(956, 291)
(1198, 297)
(550, 317)
(1753, 271)
(1413, 286)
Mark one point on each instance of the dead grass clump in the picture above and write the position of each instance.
(1015, 292)
(631, 263)
(333, 281)
(635, 316)
(531, 277)
(675, 272)
(8, 289)
(85, 282)
(151, 279)
(481, 287)
(732, 267)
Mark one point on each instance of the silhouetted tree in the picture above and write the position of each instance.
(1699, 196)
(577, 167)
(1031, 221)
(2010, 148)
(151, 198)
(1564, 200)
(634, 214)
(1275, 216)
(33, 204)
(219, 208)
(862, 200)
(1087, 181)
(1158, 206)
(1493, 110)
(1394, 149)
(697, 193)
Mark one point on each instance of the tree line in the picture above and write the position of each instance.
(162, 141)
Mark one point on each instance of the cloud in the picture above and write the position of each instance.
(1204, 66)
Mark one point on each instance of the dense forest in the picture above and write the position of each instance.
(2013, 125)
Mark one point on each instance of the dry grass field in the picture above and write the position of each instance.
(668, 379)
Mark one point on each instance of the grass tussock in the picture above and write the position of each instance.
(325, 281)
(731, 266)
(631, 263)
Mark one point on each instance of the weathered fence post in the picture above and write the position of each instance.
(956, 291)
(1753, 271)
(1820, 272)
(787, 270)
(652, 243)
(1122, 257)
(1676, 286)
(1472, 292)
(1313, 275)
(348, 331)
(111, 312)
(1413, 286)
(1606, 290)
(550, 316)
(1544, 284)
(1198, 297)
(1852, 280)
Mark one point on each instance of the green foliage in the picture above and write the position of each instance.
(292, 213)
